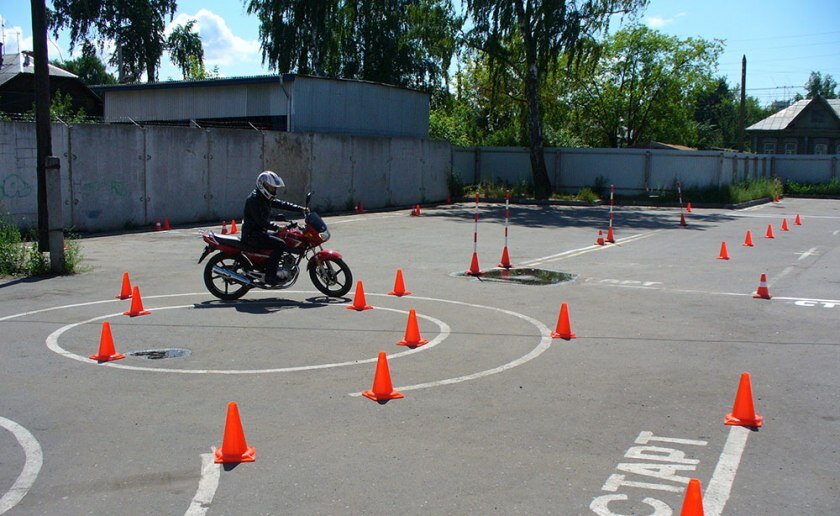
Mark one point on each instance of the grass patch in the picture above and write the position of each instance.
(20, 255)
(725, 194)
(524, 190)
(830, 188)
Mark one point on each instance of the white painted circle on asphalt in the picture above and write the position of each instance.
(31, 468)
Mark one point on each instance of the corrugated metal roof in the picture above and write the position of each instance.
(781, 120)
(16, 64)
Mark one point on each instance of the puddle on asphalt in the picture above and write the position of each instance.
(524, 276)
(158, 354)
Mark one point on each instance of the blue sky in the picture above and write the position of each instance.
(783, 40)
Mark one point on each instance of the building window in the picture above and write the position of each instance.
(820, 148)
(790, 148)
(769, 148)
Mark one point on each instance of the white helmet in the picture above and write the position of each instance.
(268, 183)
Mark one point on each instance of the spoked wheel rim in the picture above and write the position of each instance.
(220, 286)
(332, 277)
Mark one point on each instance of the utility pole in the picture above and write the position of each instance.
(50, 227)
(742, 115)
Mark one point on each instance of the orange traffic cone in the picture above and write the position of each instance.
(600, 240)
(412, 332)
(610, 236)
(784, 225)
(797, 221)
(361, 207)
(776, 198)
(682, 220)
(474, 270)
(125, 292)
(688, 207)
(359, 302)
(763, 292)
(233, 229)
(723, 254)
(769, 233)
(107, 352)
(743, 413)
(448, 199)
(505, 262)
(748, 239)
(234, 448)
(382, 389)
(224, 228)
(166, 224)
(563, 330)
(693, 501)
(136, 304)
(399, 286)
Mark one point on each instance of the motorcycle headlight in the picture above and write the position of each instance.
(325, 235)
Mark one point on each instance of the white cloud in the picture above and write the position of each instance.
(221, 46)
(16, 40)
(657, 22)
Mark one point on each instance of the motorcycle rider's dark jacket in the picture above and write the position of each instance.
(257, 216)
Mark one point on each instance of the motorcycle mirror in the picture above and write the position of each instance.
(308, 197)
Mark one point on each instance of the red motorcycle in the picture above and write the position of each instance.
(237, 268)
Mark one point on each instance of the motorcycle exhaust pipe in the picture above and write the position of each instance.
(233, 276)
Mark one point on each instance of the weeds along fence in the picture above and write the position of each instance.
(635, 171)
(117, 176)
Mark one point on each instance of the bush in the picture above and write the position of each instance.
(21, 258)
(830, 188)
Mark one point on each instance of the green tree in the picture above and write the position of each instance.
(402, 42)
(527, 38)
(186, 52)
(641, 88)
(90, 69)
(135, 26)
(825, 87)
(716, 114)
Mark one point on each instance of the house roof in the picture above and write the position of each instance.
(781, 120)
(24, 62)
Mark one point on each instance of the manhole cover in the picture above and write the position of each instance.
(157, 354)
(525, 276)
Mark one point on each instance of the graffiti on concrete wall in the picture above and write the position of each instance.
(14, 187)
(111, 186)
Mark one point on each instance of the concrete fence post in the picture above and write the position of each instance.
(647, 169)
(720, 170)
(834, 167)
(477, 166)
(55, 222)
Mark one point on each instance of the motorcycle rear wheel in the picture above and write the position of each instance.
(221, 287)
(332, 277)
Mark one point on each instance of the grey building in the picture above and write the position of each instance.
(810, 126)
(287, 102)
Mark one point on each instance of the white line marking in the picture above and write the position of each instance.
(34, 461)
(782, 215)
(206, 486)
(835, 232)
(785, 272)
(53, 345)
(807, 253)
(575, 252)
(718, 490)
(543, 345)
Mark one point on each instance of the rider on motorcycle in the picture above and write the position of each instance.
(257, 222)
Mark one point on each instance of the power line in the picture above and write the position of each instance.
(788, 37)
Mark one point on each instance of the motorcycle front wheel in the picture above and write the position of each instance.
(332, 277)
(220, 286)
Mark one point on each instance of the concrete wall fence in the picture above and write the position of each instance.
(638, 170)
(122, 176)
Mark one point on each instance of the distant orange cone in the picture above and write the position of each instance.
(748, 240)
(693, 501)
(769, 233)
(474, 270)
(563, 330)
(797, 221)
(763, 292)
(505, 261)
(723, 254)
(224, 228)
(125, 292)
(600, 240)
(359, 302)
(610, 236)
(399, 286)
(233, 229)
(688, 207)
(682, 220)
(136, 304)
(784, 225)
(166, 224)
(416, 211)
(382, 389)
(107, 352)
(448, 199)
(412, 332)
(776, 198)
(234, 448)
(743, 413)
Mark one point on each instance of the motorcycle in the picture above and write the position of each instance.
(237, 268)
